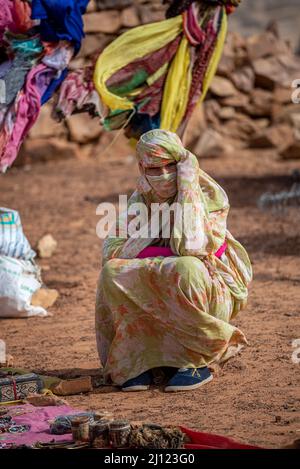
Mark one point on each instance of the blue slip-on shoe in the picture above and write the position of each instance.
(189, 378)
(139, 383)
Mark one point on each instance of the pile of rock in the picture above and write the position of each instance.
(252, 101)
(249, 103)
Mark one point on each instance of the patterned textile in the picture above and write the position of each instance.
(14, 388)
(13, 242)
(172, 311)
(33, 69)
(60, 20)
(169, 63)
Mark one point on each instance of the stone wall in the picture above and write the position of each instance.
(249, 103)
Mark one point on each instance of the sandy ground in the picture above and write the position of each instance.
(255, 397)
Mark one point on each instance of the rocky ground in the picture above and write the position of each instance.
(253, 15)
(255, 397)
(253, 101)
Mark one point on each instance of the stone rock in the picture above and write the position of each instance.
(261, 103)
(93, 43)
(46, 246)
(244, 79)
(240, 101)
(265, 44)
(222, 87)
(149, 16)
(45, 126)
(210, 144)
(91, 6)
(102, 22)
(8, 361)
(262, 123)
(156, 5)
(68, 387)
(285, 113)
(114, 4)
(235, 46)
(226, 65)
(282, 95)
(240, 128)
(212, 110)
(292, 64)
(44, 297)
(269, 72)
(227, 62)
(291, 152)
(129, 18)
(45, 400)
(294, 445)
(238, 45)
(295, 119)
(227, 113)
(47, 149)
(278, 136)
(273, 27)
(87, 150)
(83, 129)
(195, 127)
(236, 41)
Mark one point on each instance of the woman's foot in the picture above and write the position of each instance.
(139, 383)
(188, 378)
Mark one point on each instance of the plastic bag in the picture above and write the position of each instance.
(13, 242)
(19, 280)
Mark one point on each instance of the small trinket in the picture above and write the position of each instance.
(104, 414)
(3, 411)
(99, 433)
(5, 419)
(19, 428)
(3, 427)
(119, 432)
(5, 445)
(5, 423)
(80, 428)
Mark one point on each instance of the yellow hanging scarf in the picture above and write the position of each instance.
(127, 48)
(144, 40)
(177, 88)
(178, 82)
(213, 64)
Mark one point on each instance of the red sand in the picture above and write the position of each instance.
(255, 397)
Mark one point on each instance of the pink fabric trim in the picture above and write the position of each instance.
(221, 250)
(156, 251)
(191, 28)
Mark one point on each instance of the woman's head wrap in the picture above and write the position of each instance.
(157, 148)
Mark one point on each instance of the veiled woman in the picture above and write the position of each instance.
(168, 301)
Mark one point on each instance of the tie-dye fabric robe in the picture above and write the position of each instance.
(173, 311)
